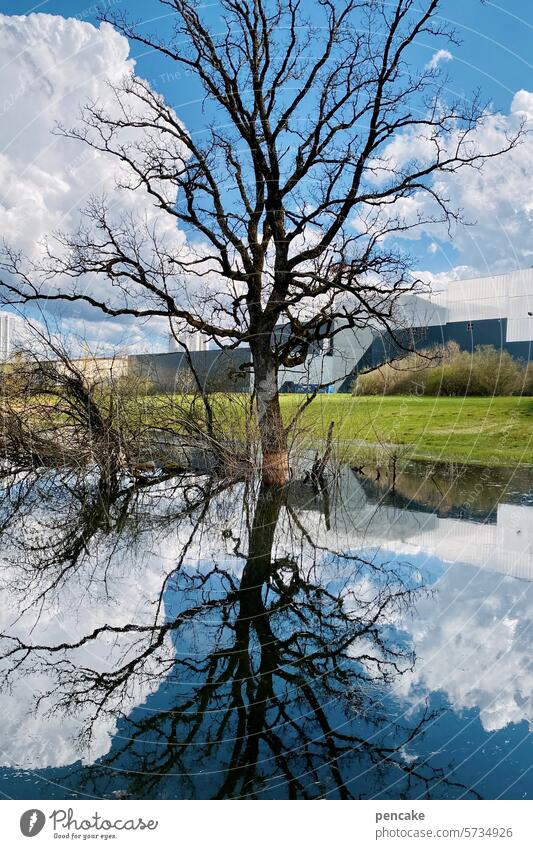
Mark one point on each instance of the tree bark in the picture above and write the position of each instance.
(274, 445)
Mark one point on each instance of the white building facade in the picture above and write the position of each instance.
(495, 310)
(6, 321)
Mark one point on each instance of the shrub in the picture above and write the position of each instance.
(495, 372)
(446, 370)
(408, 375)
(527, 386)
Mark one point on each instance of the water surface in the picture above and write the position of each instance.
(195, 638)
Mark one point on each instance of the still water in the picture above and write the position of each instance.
(193, 638)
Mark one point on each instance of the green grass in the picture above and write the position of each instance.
(492, 431)
(485, 431)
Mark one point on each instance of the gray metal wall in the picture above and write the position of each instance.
(218, 371)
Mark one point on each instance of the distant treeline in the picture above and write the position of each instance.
(446, 370)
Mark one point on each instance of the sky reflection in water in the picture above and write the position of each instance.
(197, 639)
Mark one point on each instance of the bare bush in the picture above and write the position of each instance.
(59, 411)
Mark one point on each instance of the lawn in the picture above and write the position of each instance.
(492, 431)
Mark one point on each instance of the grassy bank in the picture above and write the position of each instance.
(494, 431)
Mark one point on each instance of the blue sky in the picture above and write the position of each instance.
(495, 54)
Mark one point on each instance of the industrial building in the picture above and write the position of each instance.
(495, 310)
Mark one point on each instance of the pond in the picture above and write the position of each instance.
(193, 638)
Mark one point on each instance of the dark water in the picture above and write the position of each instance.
(192, 638)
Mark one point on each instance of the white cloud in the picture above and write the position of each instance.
(496, 201)
(439, 57)
(51, 66)
(472, 643)
(48, 737)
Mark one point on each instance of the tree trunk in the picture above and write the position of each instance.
(274, 445)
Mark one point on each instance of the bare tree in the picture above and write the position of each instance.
(290, 195)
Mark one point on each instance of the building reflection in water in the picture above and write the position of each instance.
(201, 639)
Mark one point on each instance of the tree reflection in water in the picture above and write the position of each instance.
(258, 665)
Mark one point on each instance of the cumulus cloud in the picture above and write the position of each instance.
(473, 643)
(495, 201)
(49, 737)
(438, 58)
(50, 67)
